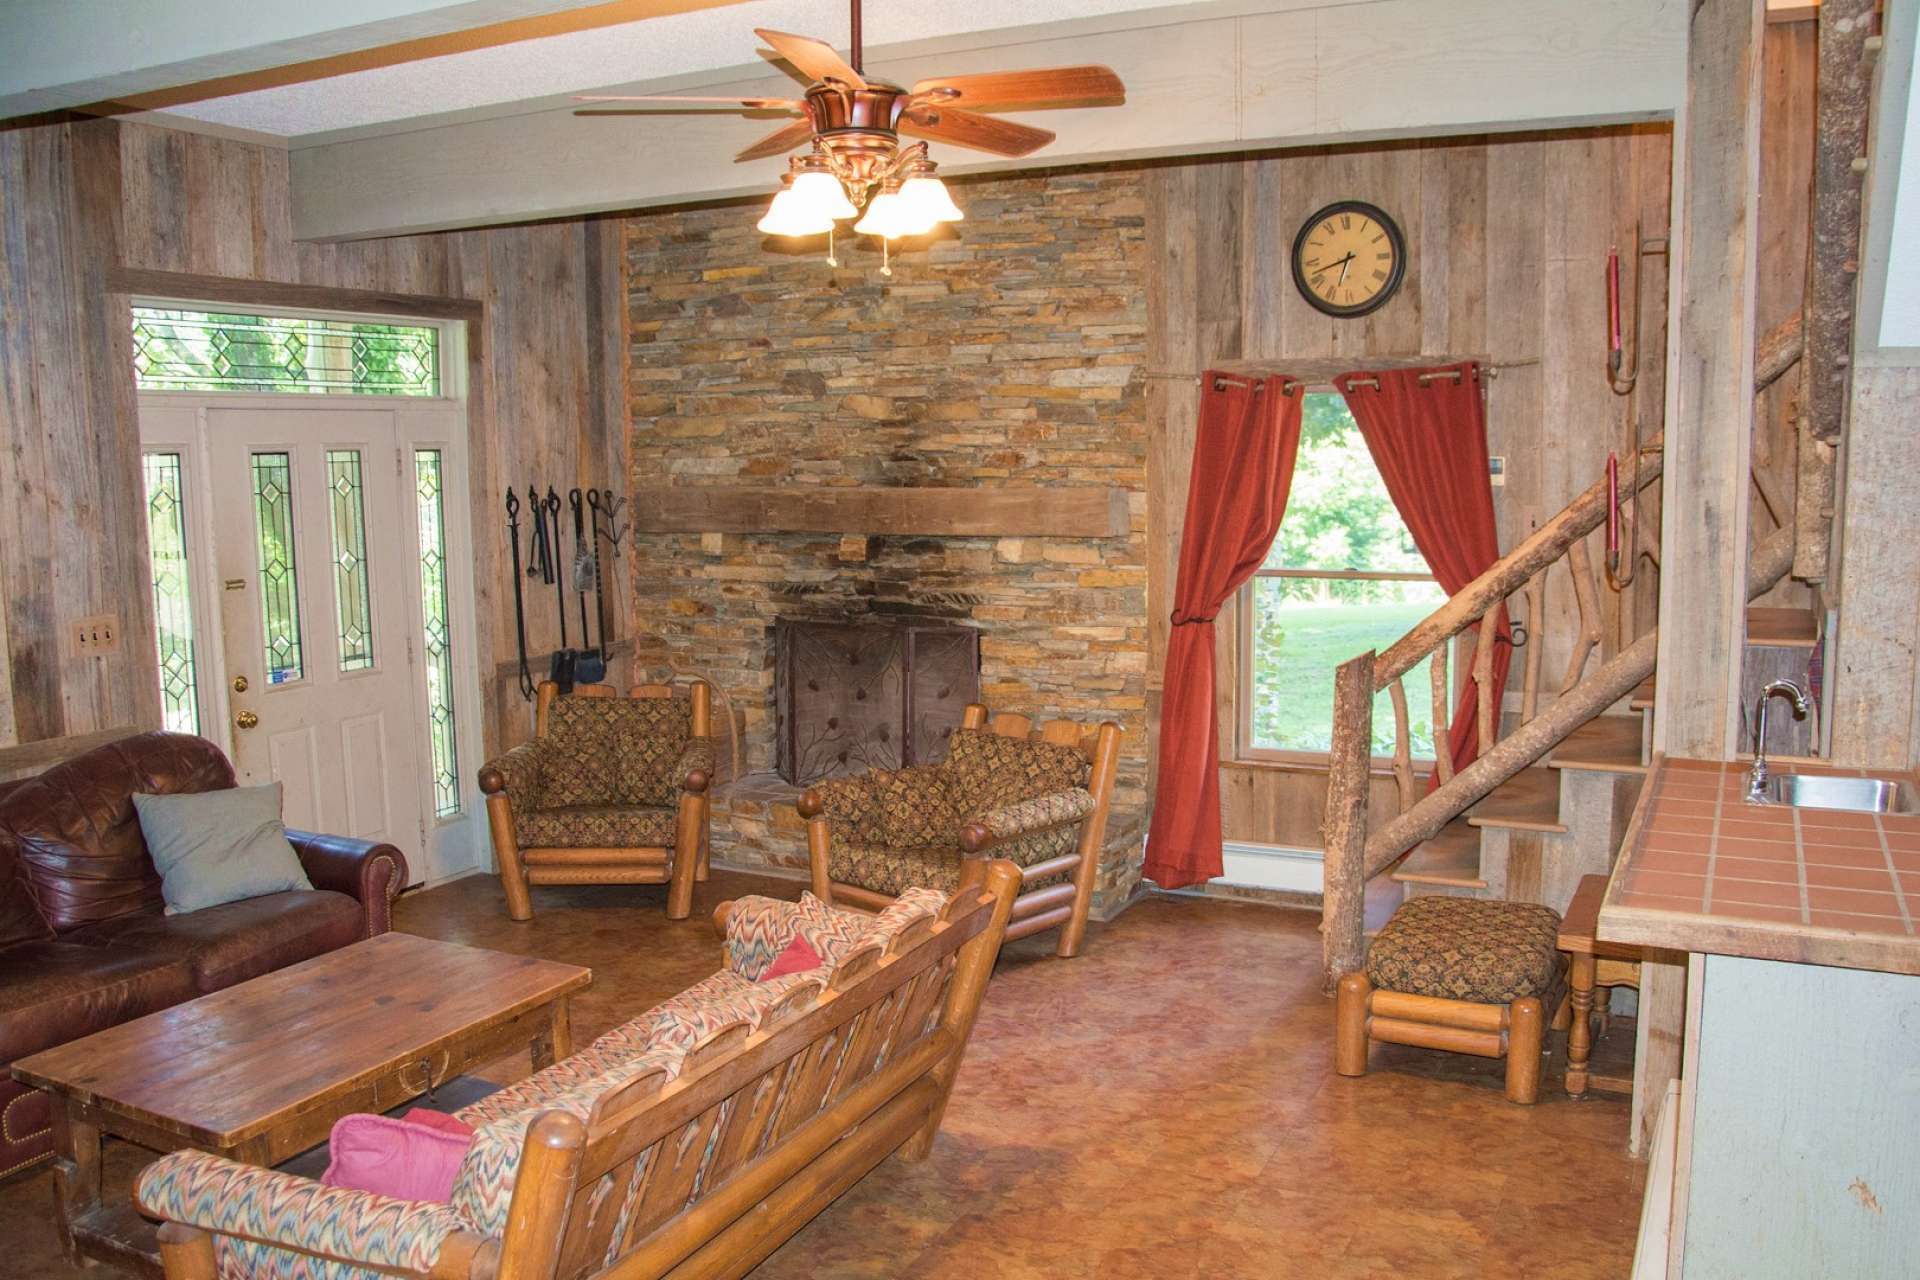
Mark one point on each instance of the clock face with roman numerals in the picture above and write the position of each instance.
(1349, 258)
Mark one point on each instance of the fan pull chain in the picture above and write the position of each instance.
(832, 261)
(886, 261)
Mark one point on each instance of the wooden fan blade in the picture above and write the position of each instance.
(812, 58)
(1037, 90)
(744, 104)
(965, 129)
(783, 139)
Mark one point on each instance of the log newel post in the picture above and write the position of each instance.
(1343, 942)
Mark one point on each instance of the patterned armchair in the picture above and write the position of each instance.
(612, 790)
(1037, 798)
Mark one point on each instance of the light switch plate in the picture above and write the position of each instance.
(96, 635)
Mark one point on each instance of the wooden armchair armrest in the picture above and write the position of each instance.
(694, 768)
(516, 776)
(279, 1211)
(1042, 813)
(842, 798)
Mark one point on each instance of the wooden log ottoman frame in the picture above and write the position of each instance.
(1465, 975)
(1514, 1031)
(708, 1174)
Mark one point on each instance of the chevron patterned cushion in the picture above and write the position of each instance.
(483, 1189)
(586, 826)
(913, 904)
(759, 928)
(222, 1196)
(569, 1073)
(1480, 949)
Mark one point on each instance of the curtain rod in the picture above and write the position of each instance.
(1221, 381)
(1489, 368)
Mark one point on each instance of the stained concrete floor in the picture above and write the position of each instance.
(1163, 1106)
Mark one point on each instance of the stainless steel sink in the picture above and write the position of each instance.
(1858, 795)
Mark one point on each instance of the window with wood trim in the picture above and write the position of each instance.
(181, 350)
(1342, 577)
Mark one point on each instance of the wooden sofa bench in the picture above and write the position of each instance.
(691, 1141)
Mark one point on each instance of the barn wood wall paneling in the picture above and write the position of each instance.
(69, 468)
(1508, 237)
(80, 199)
(1507, 245)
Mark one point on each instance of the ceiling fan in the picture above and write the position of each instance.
(855, 122)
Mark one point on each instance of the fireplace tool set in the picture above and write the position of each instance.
(596, 519)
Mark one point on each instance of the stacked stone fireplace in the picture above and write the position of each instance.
(1013, 355)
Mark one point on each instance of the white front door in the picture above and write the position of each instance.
(312, 557)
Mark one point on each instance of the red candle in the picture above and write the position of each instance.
(1613, 303)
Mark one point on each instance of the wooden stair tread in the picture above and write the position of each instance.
(1608, 744)
(1451, 858)
(1783, 628)
(1528, 801)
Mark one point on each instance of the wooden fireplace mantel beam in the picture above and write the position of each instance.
(1001, 511)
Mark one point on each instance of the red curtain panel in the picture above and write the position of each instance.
(1242, 468)
(1427, 431)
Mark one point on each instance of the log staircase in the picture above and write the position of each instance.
(1548, 798)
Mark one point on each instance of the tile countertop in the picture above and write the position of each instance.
(1702, 870)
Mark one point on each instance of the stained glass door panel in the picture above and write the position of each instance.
(308, 511)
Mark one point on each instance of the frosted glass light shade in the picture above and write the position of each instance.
(822, 194)
(882, 217)
(789, 215)
(889, 216)
(927, 200)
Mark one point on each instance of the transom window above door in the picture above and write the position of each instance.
(180, 350)
(1342, 577)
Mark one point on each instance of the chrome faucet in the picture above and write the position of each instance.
(1757, 777)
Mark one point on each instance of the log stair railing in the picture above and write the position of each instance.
(1354, 853)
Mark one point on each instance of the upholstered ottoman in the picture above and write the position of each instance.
(1468, 975)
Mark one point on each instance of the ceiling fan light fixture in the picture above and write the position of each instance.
(926, 198)
(790, 215)
(889, 217)
(820, 193)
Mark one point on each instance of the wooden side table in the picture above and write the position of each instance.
(260, 1071)
(1597, 966)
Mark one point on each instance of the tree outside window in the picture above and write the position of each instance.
(1342, 577)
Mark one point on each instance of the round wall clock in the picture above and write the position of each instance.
(1349, 258)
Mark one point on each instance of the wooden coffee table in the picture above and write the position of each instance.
(259, 1072)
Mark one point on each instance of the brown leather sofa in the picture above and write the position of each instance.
(84, 941)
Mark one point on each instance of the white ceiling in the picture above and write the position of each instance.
(677, 45)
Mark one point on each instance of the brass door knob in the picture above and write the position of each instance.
(239, 684)
(246, 719)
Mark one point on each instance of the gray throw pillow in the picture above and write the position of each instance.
(212, 847)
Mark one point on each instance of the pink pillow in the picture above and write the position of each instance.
(440, 1120)
(797, 958)
(408, 1159)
